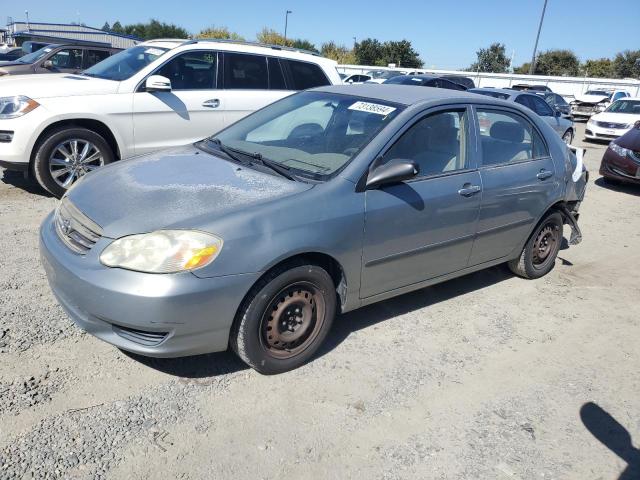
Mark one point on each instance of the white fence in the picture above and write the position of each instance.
(568, 87)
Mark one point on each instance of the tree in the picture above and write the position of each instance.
(627, 64)
(106, 27)
(557, 63)
(493, 59)
(303, 44)
(602, 68)
(117, 27)
(339, 53)
(153, 29)
(522, 69)
(221, 33)
(401, 53)
(369, 52)
(271, 37)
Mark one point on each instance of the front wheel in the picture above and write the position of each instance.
(285, 318)
(66, 154)
(568, 137)
(539, 253)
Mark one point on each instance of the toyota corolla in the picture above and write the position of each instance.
(318, 204)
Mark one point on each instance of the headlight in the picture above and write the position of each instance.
(623, 152)
(163, 251)
(601, 107)
(12, 107)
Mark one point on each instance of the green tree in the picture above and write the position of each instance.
(627, 64)
(369, 52)
(221, 33)
(155, 29)
(339, 53)
(493, 59)
(271, 37)
(401, 53)
(557, 63)
(602, 68)
(522, 69)
(117, 27)
(303, 44)
(106, 27)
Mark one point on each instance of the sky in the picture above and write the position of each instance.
(445, 33)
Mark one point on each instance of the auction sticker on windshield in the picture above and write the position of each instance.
(372, 108)
(154, 51)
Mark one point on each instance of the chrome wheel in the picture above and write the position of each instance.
(292, 320)
(72, 159)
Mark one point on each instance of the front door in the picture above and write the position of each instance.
(65, 60)
(191, 111)
(424, 228)
(518, 181)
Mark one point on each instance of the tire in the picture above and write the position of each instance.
(49, 159)
(285, 318)
(539, 253)
(568, 137)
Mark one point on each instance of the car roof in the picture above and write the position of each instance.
(505, 91)
(403, 94)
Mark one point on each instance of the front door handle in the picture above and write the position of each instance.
(213, 103)
(544, 174)
(467, 190)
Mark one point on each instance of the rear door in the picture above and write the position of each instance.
(423, 228)
(191, 111)
(518, 180)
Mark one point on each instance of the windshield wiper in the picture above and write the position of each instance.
(227, 151)
(270, 164)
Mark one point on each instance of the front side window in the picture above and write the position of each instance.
(306, 75)
(195, 70)
(245, 72)
(125, 64)
(68, 58)
(437, 143)
(506, 137)
(313, 134)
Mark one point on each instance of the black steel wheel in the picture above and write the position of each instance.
(539, 253)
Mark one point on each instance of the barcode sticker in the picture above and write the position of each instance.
(376, 108)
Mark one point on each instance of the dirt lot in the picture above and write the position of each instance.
(485, 377)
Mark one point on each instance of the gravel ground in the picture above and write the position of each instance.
(485, 377)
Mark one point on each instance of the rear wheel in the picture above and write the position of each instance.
(539, 253)
(568, 137)
(67, 154)
(285, 318)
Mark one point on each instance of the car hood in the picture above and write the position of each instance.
(628, 118)
(179, 188)
(48, 85)
(591, 98)
(630, 140)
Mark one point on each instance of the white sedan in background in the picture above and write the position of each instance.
(354, 79)
(615, 121)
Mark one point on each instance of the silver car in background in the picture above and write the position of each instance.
(562, 125)
(318, 204)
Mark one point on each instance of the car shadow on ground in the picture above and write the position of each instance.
(613, 436)
(627, 188)
(17, 179)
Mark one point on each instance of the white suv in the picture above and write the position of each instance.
(157, 94)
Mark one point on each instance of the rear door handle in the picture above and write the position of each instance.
(467, 190)
(213, 103)
(544, 174)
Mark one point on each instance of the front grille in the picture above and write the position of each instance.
(75, 229)
(583, 108)
(147, 339)
(611, 125)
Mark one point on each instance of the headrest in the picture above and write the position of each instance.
(507, 131)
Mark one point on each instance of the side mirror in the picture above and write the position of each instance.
(157, 83)
(48, 64)
(395, 171)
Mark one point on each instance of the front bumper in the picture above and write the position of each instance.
(619, 168)
(595, 132)
(169, 315)
(16, 154)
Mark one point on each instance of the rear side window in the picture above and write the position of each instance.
(276, 75)
(245, 72)
(306, 75)
(91, 57)
(541, 107)
(508, 138)
(194, 70)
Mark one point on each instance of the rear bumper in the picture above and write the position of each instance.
(168, 315)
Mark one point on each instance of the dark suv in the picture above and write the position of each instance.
(57, 58)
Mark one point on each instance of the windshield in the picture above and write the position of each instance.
(312, 134)
(35, 56)
(625, 106)
(125, 64)
(406, 80)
